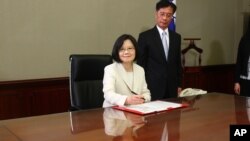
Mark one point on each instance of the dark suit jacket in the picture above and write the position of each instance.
(242, 57)
(163, 76)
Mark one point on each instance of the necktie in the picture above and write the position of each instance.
(164, 42)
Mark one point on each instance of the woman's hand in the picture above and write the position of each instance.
(135, 99)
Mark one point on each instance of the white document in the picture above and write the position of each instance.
(150, 107)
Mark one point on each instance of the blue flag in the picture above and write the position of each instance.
(172, 23)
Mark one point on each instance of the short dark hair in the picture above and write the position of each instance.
(118, 45)
(165, 3)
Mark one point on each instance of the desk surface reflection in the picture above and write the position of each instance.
(206, 119)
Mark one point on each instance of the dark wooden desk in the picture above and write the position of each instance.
(207, 119)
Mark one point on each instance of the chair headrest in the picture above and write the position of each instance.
(88, 67)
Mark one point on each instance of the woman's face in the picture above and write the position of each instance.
(127, 52)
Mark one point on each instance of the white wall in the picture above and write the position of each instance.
(37, 36)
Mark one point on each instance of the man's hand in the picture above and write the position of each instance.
(237, 88)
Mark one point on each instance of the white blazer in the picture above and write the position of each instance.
(115, 84)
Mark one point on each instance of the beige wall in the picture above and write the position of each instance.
(37, 36)
(217, 23)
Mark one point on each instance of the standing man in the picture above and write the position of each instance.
(242, 71)
(160, 54)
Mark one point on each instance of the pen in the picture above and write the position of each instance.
(137, 94)
(134, 93)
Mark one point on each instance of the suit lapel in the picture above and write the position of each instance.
(171, 44)
(123, 74)
(137, 81)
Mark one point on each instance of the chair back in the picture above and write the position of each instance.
(86, 75)
(193, 47)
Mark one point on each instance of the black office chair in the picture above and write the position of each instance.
(86, 80)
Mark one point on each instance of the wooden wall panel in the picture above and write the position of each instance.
(46, 96)
(34, 97)
(14, 104)
(215, 78)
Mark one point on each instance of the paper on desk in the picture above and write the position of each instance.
(150, 107)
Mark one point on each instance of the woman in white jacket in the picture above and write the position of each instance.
(124, 81)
